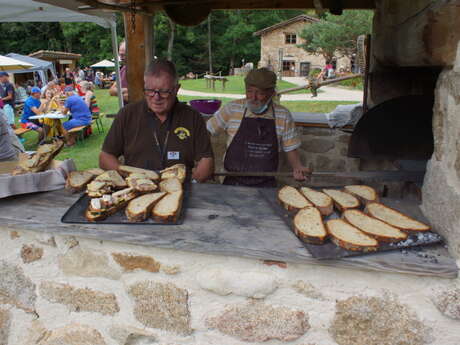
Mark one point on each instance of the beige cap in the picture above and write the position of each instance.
(262, 78)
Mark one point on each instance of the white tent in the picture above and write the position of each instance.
(104, 64)
(9, 64)
(60, 11)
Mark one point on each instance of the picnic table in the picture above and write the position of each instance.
(211, 81)
(57, 116)
(220, 220)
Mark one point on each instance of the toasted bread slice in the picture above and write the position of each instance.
(291, 199)
(342, 201)
(113, 177)
(100, 208)
(95, 171)
(139, 208)
(77, 180)
(127, 170)
(96, 189)
(171, 185)
(178, 170)
(395, 218)
(365, 194)
(322, 201)
(309, 227)
(167, 209)
(348, 237)
(373, 227)
(140, 183)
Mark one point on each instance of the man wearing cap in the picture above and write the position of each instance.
(81, 115)
(7, 96)
(257, 130)
(32, 108)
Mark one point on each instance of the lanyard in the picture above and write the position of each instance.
(162, 148)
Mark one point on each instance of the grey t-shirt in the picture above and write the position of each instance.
(7, 151)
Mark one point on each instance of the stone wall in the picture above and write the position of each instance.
(441, 188)
(273, 40)
(89, 292)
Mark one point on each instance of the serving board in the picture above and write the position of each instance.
(329, 250)
(76, 214)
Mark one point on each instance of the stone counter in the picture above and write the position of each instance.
(57, 289)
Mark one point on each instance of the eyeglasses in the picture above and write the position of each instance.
(161, 93)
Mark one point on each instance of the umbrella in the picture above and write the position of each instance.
(8, 64)
(103, 64)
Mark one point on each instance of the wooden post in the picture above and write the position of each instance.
(138, 33)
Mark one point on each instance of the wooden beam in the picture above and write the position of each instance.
(138, 33)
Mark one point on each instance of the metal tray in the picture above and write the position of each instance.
(329, 250)
(76, 213)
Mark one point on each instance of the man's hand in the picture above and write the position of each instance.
(204, 169)
(108, 161)
(301, 173)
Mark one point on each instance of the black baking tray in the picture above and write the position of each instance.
(76, 213)
(329, 250)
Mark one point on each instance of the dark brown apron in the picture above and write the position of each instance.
(253, 148)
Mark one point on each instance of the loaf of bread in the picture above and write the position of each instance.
(365, 194)
(395, 218)
(167, 209)
(322, 202)
(309, 227)
(348, 237)
(291, 199)
(373, 227)
(342, 201)
(139, 208)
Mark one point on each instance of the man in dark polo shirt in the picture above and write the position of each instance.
(159, 131)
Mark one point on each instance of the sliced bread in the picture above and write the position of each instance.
(170, 185)
(95, 171)
(139, 209)
(127, 170)
(365, 194)
(177, 170)
(350, 238)
(322, 201)
(309, 227)
(113, 177)
(167, 209)
(373, 227)
(395, 218)
(291, 199)
(140, 183)
(78, 180)
(342, 201)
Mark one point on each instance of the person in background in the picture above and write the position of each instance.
(258, 130)
(159, 131)
(97, 80)
(7, 96)
(113, 91)
(89, 97)
(80, 75)
(327, 72)
(21, 94)
(50, 102)
(81, 115)
(31, 108)
(68, 77)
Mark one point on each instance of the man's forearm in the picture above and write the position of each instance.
(294, 159)
(204, 169)
(108, 161)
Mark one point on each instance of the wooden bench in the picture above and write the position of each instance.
(79, 131)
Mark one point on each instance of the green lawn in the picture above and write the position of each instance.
(85, 153)
(234, 85)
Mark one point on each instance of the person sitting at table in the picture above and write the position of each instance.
(50, 102)
(89, 97)
(81, 115)
(32, 108)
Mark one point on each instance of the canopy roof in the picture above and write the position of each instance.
(38, 65)
(9, 64)
(103, 64)
(42, 11)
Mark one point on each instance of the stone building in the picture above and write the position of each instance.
(279, 43)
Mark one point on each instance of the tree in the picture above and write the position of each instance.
(336, 34)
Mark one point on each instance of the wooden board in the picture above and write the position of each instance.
(221, 220)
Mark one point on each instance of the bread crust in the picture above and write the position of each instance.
(380, 238)
(287, 206)
(408, 230)
(349, 245)
(305, 237)
(140, 217)
(171, 218)
(363, 200)
(324, 210)
(341, 208)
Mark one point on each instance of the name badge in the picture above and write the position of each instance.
(173, 155)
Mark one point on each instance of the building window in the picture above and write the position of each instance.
(288, 65)
(290, 38)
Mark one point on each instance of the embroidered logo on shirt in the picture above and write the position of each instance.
(182, 133)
